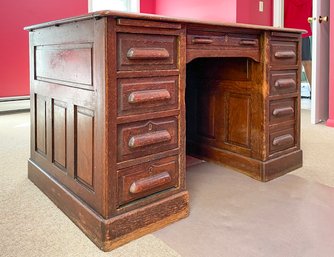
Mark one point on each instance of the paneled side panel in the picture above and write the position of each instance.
(85, 146)
(65, 64)
(40, 125)
(238, 124)
(59, 124)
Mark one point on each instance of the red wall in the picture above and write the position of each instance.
(14, 15)
(147, 6)
(248, 12)
(330, 121)
(217, 10)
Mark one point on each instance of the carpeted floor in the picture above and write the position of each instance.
(30, 224)
(231, 214)
(317, 143)
(235, 216)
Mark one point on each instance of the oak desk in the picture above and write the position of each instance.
(117, 99)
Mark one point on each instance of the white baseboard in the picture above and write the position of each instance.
(9, 104)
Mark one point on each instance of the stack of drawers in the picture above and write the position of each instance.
(148, 110)
(284, 80)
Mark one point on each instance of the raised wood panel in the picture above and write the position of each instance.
(59, 133)
(206, 114)
(40, 124)
(69, 65)
(84, 146)
(238, 125)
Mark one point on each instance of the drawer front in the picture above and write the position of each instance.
(146, 52)
(227, 40)
(283, 53)
(147, 137)
(243, 41)
(144, 95)
(147, 178)
(283, 82)
(282, 110)
(281, 140)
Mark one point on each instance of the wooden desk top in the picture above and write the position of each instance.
(118, 14)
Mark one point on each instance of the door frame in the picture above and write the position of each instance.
(278, 13)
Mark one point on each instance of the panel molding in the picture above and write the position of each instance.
(59, 134)
(41, 125)
(238, 119)
(68, 65)
(84, 146)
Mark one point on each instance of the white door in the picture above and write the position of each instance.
(320, 61)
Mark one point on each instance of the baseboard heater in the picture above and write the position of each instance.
(17, 103)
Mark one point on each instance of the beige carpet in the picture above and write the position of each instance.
(317, 142)
(235, 216)
(30, 224)
(231, 214)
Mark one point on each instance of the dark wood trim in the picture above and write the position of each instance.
(111, 233)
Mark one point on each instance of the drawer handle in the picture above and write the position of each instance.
(149, 183)
(285, 54)
(284, 83)
(248, 42)
(283, 111)
(283, 140)
(150, 138)
(147, 53)
(148, 96)
(202, 40)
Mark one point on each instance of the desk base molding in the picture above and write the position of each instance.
(111, 233)
(260, 170)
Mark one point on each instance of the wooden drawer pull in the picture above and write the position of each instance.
(202, 40)
(285, 54)
(283, 111)
(284, 83)
(150, 138)
(149, 183)
(248, 42)
(147, 53)
(283, 140)
(148, 96)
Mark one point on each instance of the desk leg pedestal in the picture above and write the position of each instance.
(259, 170)
(111, 233)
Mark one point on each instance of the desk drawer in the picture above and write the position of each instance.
(146, 52)
(282, 110)
(145, 95)
(283, 53)
(283, 82)
(281, 140)
(147, 137)
(205, 40)
(147, 178)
